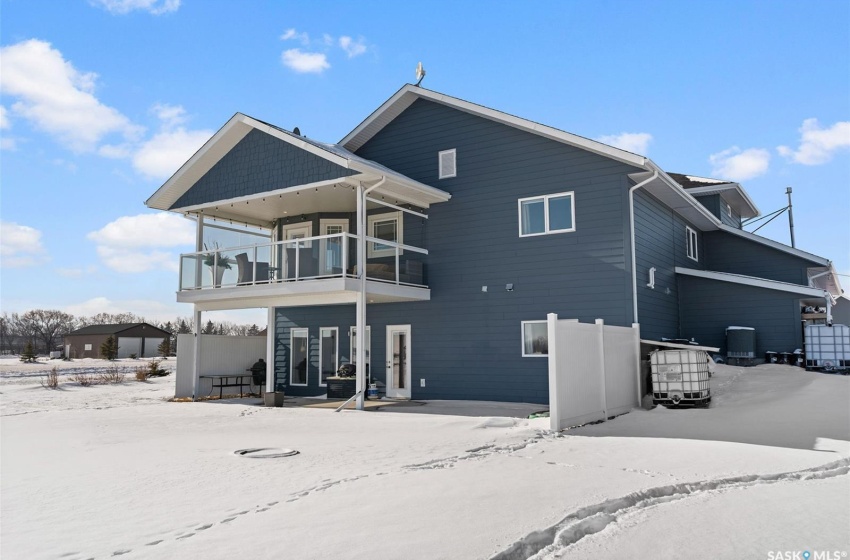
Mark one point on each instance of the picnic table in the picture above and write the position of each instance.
(237, 380)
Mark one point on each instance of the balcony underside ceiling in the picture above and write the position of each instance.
(333, 291)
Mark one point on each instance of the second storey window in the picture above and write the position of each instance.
(692, 243)
(541, 215)
(384, 226)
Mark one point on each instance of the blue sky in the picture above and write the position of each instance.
(103, 99)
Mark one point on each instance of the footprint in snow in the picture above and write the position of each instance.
(153, 543)
(120, 552)
(203, 527)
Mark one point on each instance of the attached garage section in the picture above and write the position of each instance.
(711, 301)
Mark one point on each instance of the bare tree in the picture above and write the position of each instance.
(48, 325)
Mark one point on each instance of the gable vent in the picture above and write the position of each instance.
(448, 164)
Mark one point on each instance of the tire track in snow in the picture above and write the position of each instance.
(592, 519)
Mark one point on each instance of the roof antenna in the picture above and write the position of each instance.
(420, 74)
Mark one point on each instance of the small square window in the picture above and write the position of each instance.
(691, 240)
(535, 339)
(540, 215)
(447, 161)
(88, 347)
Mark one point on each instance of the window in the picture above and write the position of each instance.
(692, 243)
(88, 347)
(298, 356)
(352, 333)
(541, 215)
(447, 161)
(388, 226)
(328, 353)
(535, 339)
(298, 231)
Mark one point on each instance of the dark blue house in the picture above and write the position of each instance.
(447, 231)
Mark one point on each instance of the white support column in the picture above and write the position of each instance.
(600, 326)
(360, 364)
(199, 246)
(196, 380)
(270, 332)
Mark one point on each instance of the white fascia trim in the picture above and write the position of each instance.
(775, 245)
(399, 179)
(293, 140)
(679, 190)
(752, 281)
(717, 189)
(498, 116)
(154, 201)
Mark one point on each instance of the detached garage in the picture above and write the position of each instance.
(140, 339)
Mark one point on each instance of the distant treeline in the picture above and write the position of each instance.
(44, 328)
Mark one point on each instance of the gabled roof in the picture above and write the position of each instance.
(238, 127)
(731, 192)
(111, 329)
(405, 97)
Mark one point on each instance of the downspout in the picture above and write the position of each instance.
(632, 233)
(360, 365)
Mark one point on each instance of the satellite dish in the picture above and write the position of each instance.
(420, 73)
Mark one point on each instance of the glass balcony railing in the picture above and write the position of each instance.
(309, 258)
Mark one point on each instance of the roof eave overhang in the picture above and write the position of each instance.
(732, 193)
(396, 184)
(804, 291)
(815, 259)
(671, 193)
(405, 97)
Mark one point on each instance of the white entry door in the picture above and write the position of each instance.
(398, 361)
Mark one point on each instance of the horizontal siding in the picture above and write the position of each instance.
(467, 343)
(709, 306)
(726, 252)
(660, 242)
(259, 163)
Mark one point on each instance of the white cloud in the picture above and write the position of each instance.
(635, 142)
(76, 272)
(292, 35)
(171, 116)
(737, 165)
(8, 144)
(155, 7)
(58, 98)
(20, 246)
(305, 62)
(817, 145)
(141, 243)
(351, 47)
(163, 154)
(152, 310)
(4, 118)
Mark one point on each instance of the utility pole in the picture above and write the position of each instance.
(790, 216)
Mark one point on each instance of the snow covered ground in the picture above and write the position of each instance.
(116, 470)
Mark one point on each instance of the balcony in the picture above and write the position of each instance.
(307, 271)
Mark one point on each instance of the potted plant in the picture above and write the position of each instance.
(214, 256)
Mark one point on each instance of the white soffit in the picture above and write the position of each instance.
(668, 191)
(405, 97)
(751, 281)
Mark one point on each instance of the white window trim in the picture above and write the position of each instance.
(366, 347)
(309, 225)
(442, 175)
(545, 198)
(292, 333)
(522, 340)
(322, 354)
(370, 229)
(323, 244)
(87, 348)
(691, 234)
